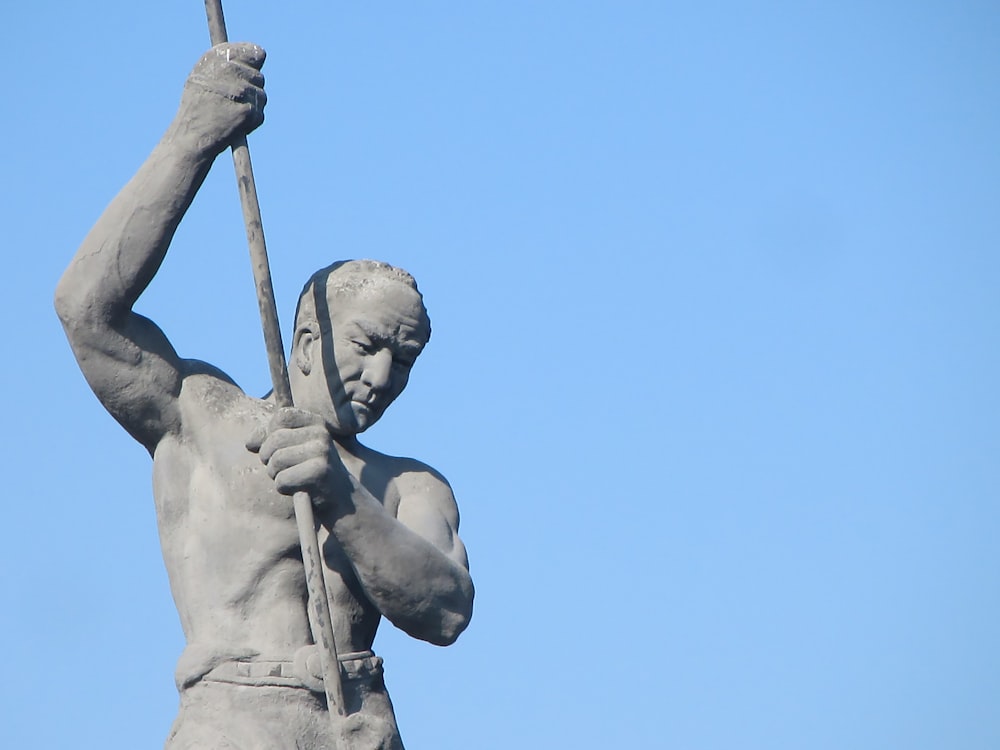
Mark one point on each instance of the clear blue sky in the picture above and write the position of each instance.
(714, 368)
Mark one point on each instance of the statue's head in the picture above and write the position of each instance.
(359, 327)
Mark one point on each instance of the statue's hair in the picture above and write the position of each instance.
(347, 278)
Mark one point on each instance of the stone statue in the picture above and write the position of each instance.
(225, 464)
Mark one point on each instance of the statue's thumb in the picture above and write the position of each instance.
(256, 438)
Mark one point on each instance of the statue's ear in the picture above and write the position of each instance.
(305, 347)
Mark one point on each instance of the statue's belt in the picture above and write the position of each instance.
(305, 671)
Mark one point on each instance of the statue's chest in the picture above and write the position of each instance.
(233, 479)
(214, 474)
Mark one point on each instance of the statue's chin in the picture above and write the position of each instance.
(354, 420)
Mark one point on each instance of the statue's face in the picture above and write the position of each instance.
(374, 339)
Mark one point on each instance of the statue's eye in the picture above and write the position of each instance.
(365, 347)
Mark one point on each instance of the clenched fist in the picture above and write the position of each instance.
(223, 97)
(300, 456)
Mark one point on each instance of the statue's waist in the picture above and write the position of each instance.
(303, 671)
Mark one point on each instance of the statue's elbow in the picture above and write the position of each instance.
(452, 626)
(441, 625)
(455, 619)
(64, 302)
(71, 305)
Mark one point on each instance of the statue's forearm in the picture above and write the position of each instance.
(122, 252)
(119, 257)
(413, 583)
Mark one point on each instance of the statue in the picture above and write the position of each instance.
(225, 464)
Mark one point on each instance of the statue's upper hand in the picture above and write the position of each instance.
(300, 455)
(224, 95)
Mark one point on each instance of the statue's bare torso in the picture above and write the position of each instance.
(230, 541)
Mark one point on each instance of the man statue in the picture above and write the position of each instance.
(225, 464)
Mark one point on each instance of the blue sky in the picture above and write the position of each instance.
(713, 373)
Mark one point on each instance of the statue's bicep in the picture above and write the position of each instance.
(434, 516)
(135, 373)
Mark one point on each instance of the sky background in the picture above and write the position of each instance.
(714, 370)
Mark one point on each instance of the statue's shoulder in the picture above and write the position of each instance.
(396, 467)
(410, 479)
(208, 393)
(419, 495)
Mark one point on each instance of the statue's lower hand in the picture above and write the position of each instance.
(224, 96)
(300, 456)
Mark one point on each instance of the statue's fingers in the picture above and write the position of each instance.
(291, 417)
(234, 89)
(246, 73)
(298, 477)
(242, 52)
(288, 455)
(276, 440)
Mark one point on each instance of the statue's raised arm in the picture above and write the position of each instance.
(125, 357)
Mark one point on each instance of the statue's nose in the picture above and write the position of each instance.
(378, 369)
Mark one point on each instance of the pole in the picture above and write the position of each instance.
(311, 559)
